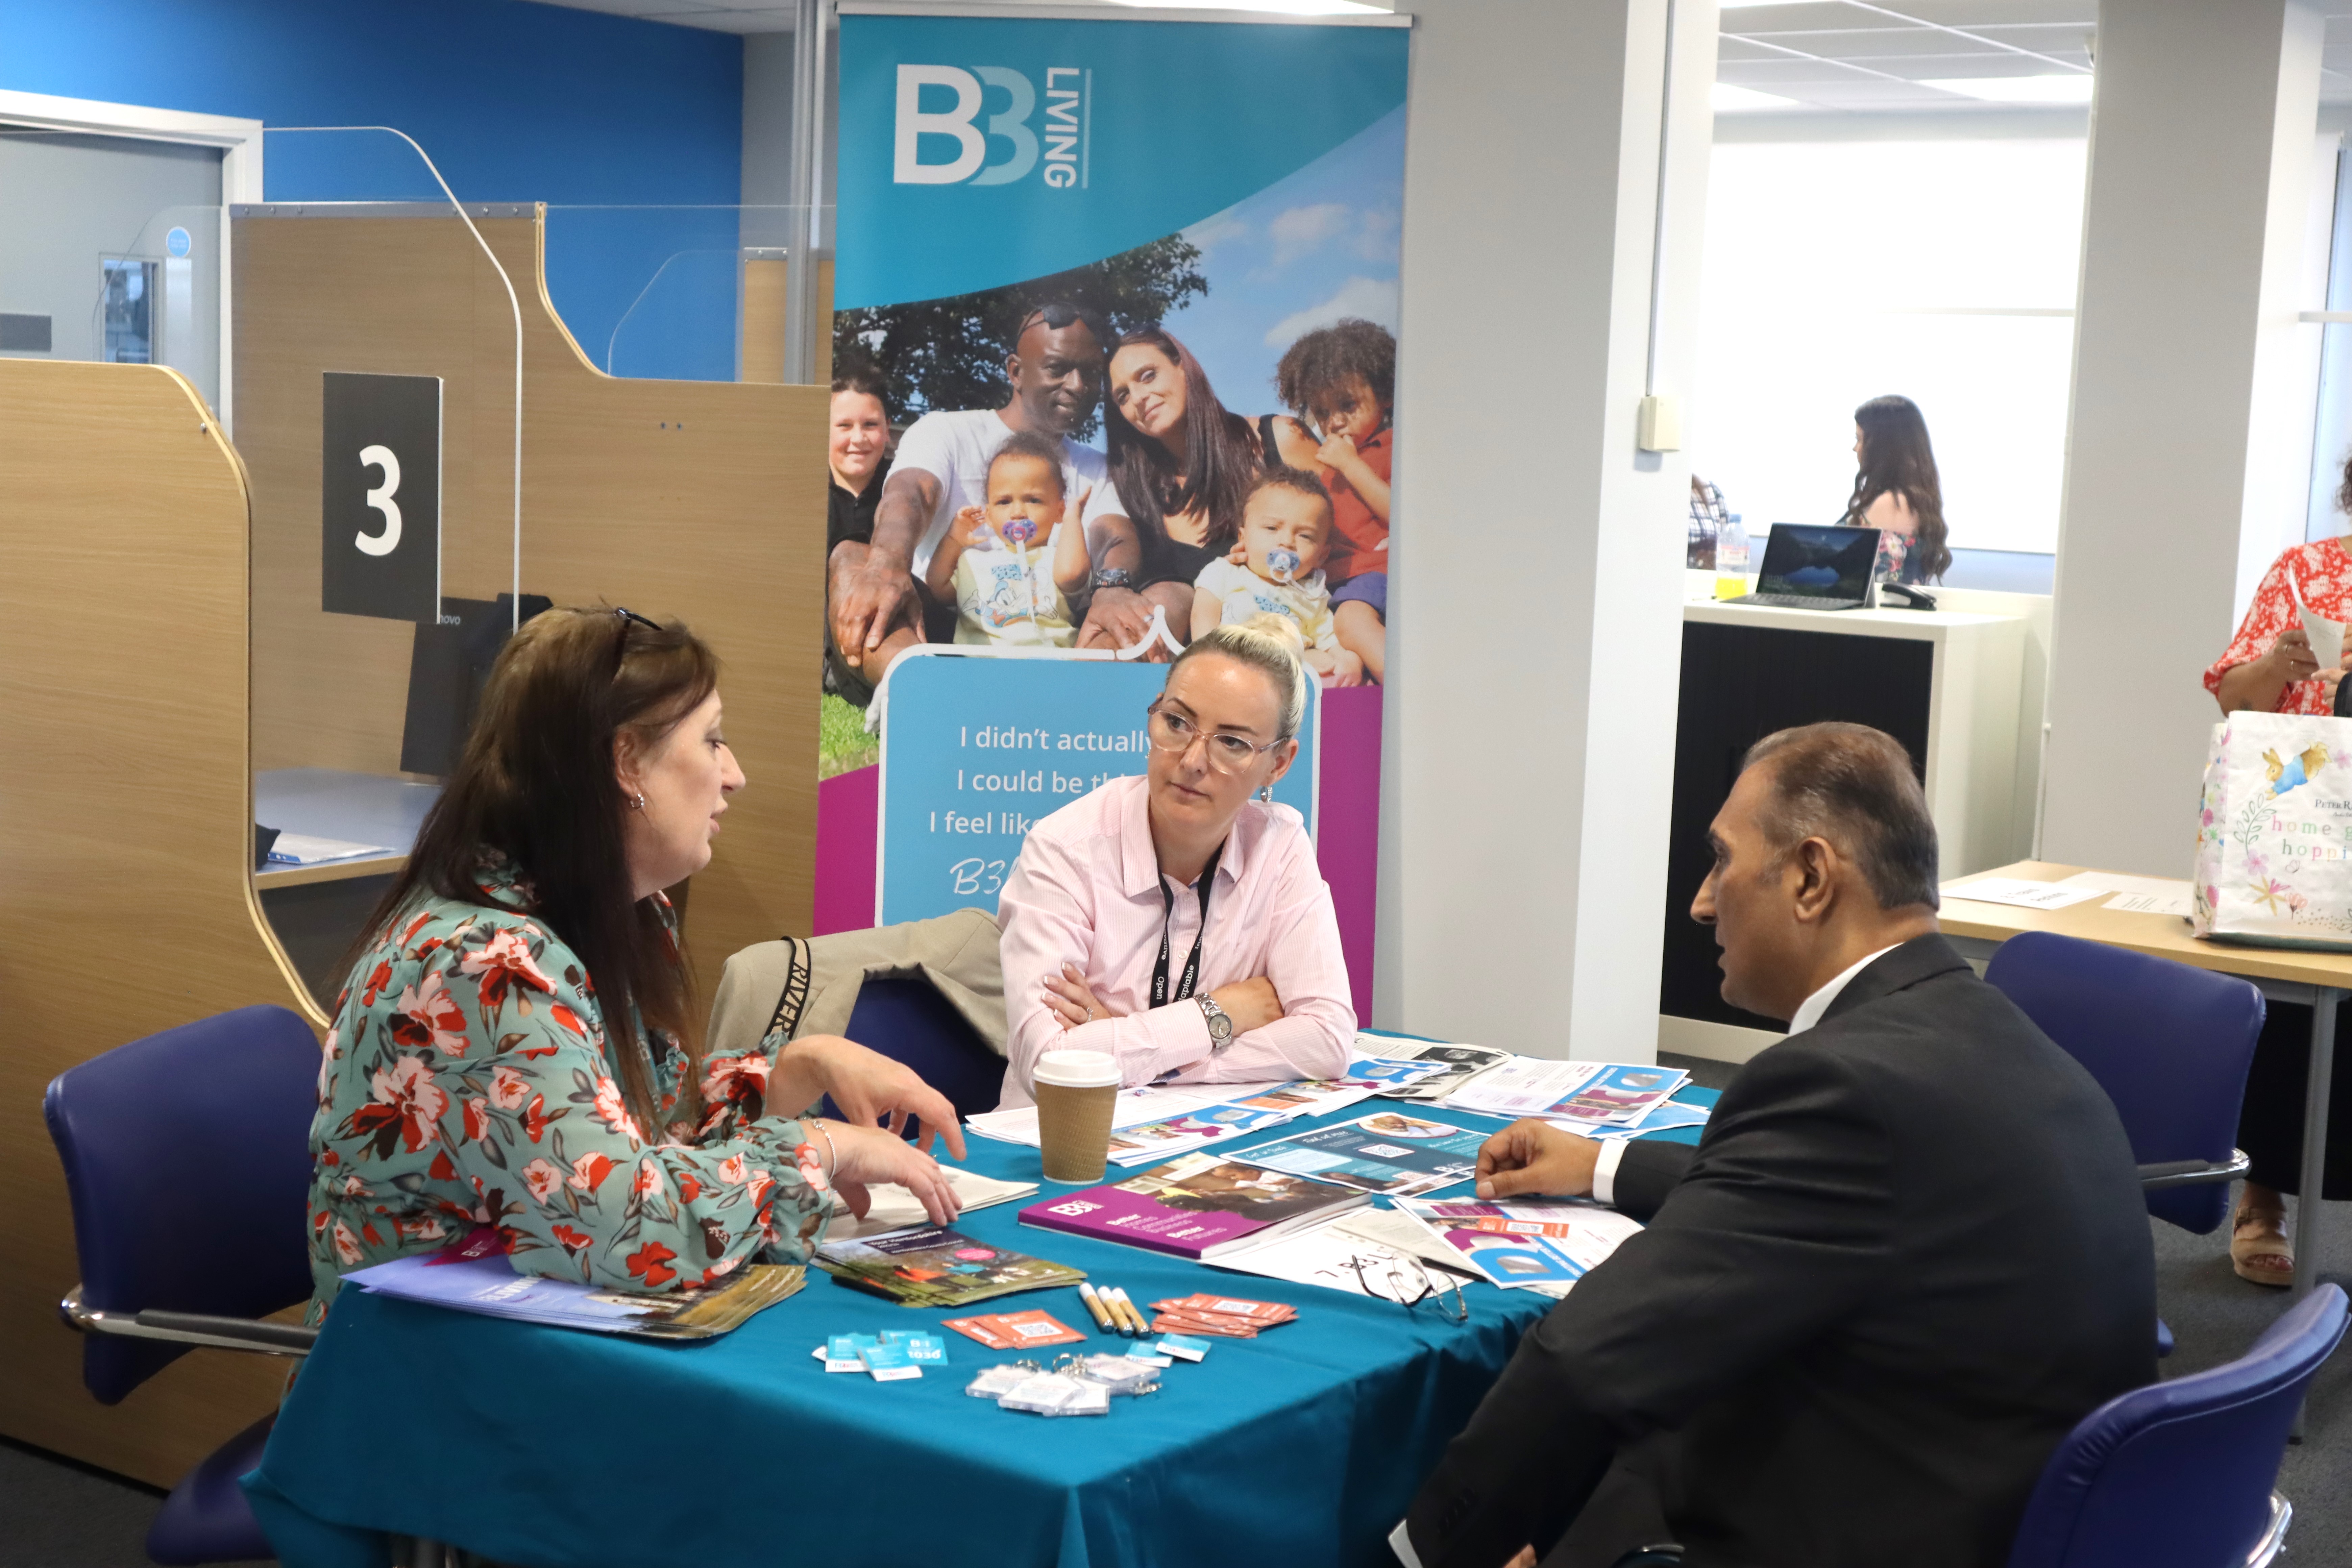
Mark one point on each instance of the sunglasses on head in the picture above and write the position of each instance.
(1057, 316)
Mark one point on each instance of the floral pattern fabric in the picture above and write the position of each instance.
(465, 1087)
(2321, 574)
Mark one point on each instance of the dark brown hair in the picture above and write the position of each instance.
(1297, 481)
(537, 784)
(1046, 450)
(859, 378)
(1896, 455)
(1323, 358)
(1219, 460)
(1856, 787)
(2343, 490)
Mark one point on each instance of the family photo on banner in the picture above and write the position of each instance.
(1137, 379)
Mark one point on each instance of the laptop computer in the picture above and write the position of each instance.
(1810, 568)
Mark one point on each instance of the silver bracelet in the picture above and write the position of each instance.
(818, 1122)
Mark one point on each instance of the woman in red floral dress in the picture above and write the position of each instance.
(2269, 667)
(513, 1060)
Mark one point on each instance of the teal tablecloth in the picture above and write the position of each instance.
(559, 1449)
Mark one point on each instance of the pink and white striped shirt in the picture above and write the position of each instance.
(1086, 890)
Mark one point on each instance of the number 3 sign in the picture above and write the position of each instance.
(380, 497)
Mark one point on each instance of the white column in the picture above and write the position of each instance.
(1536, 618)
(2192, 421)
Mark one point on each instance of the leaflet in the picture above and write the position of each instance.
(1133, 1108)
(1577, 1094)
(1212, 1124)
(1522, 1245)
(490, 1286)
(1385, 1152)
(1150, 1116)
(1455, 1065)
(1340, 1256)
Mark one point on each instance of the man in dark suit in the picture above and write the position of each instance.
(1909, 1253)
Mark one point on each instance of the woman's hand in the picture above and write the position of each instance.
(1250, 1004)
(2290, 659)
(1072, 1000)
(867, 1085)
(866, 1156)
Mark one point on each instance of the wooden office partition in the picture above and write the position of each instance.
(703, 499)
(126, 897)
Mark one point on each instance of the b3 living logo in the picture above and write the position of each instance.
(1070, 104)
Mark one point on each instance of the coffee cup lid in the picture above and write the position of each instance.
(1078, 1069)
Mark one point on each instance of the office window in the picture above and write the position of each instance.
(128, 306)
(1944, 270)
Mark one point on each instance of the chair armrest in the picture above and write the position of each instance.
(189, 1329)
(2193, 1173)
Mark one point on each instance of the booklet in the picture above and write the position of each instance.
(1577, 1094)
(895, 1208)
(1196, 1206)
(931, 1266)
(490, 1286)
(1455, 1065)
(1546, 1246)
(1388, 1152)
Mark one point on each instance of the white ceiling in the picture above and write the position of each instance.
(1824, 54)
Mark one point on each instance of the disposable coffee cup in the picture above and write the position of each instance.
(1074, 1092)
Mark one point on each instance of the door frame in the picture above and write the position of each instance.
(240, 143)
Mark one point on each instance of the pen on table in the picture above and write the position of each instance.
(1136, 1327)
(1095, 1306)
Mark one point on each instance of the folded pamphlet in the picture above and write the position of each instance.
(1455, 1065)
(489, 1286)
(1196, 1206)
(1546, 1246)
(931, 1266)
(1576, 1095)
(1388, 1152)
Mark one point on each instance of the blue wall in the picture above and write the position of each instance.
(515, 101)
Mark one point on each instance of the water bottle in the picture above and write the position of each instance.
(1731, 550)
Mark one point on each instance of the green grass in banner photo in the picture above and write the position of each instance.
(978, 751)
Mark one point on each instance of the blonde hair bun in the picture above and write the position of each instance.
(1268, 642)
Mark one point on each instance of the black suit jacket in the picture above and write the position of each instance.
(1909, 1253)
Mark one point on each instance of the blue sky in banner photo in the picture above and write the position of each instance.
(1311, 248)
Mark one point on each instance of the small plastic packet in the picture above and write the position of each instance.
(1121, 1373)
(1057, 1394)
(996, 1382)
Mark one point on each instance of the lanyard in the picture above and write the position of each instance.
(1167, 912)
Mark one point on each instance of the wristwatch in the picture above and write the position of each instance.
(1114, 577)
(1220, 1022)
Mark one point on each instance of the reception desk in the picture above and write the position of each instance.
(1947, 683)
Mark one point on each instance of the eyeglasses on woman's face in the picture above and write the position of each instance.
(1228, 754)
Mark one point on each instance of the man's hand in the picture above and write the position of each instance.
(1250, 1004)
(1117, 618)
(868, 599)
(1531, 1156)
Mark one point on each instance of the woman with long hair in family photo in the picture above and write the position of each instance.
(1897, 491)
(1184, 465)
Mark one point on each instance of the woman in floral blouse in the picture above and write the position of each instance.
(2269, 667)
(512, 1060)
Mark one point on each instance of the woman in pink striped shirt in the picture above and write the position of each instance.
(1171, 921)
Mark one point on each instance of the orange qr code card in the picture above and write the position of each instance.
(1016, 1330)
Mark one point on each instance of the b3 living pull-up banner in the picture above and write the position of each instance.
(1167, 248)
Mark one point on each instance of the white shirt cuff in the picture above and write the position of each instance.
(1604, 1171)
(1402, 1544)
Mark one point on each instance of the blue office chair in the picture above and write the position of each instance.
(187, 1160)
(907, 1020)
(2178, 1474)
(2170, 1044)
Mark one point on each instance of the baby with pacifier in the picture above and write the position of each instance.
(1276, 566)
(1012, 565)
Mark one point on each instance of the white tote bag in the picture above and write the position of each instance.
(2274, 834)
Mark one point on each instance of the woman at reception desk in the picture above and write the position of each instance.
(1898, 492)
(2271, 667)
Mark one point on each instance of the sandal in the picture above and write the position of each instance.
(2259, 1250)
